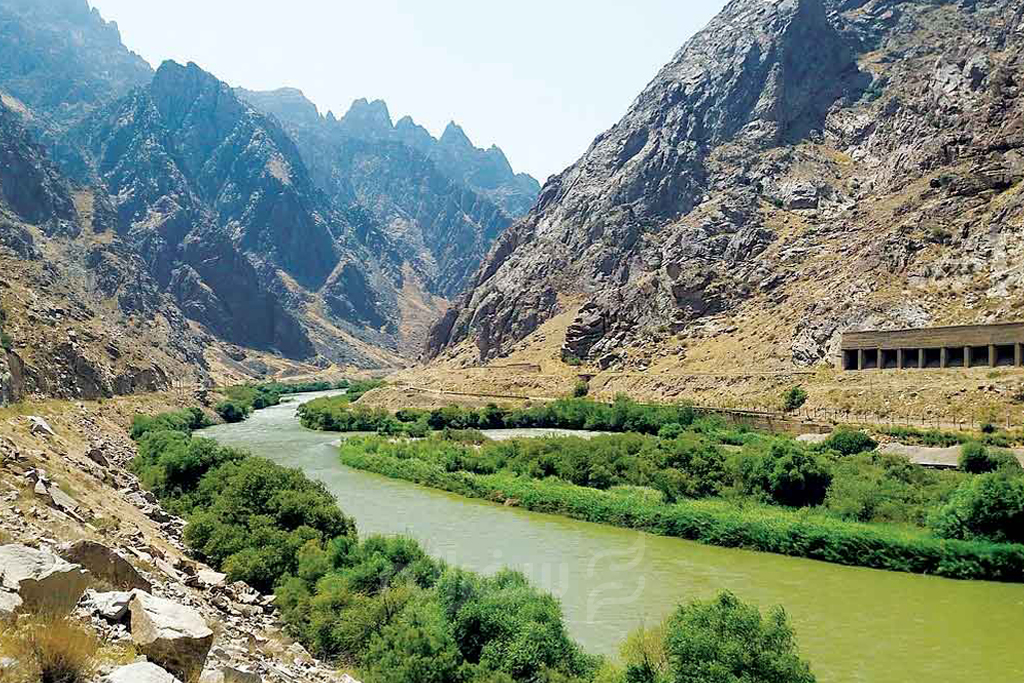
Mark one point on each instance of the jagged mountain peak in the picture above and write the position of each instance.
(370, 119)
(455, 136)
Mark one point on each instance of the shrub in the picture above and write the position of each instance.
(975, 458)
(724, 640)
(51, 651)
(794, 398)
(988, 428)
(572, 360)
(184, 421)
(624, 415)
(231, 411)
(847, 441)
(581, 389)
(6, 342)
(988, 506)
(417, 647)
(788, 473)
(673, 430)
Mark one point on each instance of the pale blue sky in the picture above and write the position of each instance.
(539, 78)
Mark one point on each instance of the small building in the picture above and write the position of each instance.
(959, 346)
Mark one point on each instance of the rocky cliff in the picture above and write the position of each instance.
(264, 224)
(443, 201)
(801, 167)
(80, 317)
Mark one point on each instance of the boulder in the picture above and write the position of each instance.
(240, 675)
(111, 606)
(171, 635)
(211, 579)
(140, 672)
(10, 605)
(40, 426)
(43, 581)
(107, 564)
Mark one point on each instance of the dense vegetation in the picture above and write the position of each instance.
(335, 414)
(938, 438)
(734, 488)
(384, 606)
(242, 399)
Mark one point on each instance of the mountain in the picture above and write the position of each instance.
(247, 218)
(80, 317)
(800, 168)
(60, 57)
(444, 201)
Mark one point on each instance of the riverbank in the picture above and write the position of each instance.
(762, 528)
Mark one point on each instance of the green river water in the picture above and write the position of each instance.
(854, 625)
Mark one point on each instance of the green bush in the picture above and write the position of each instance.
(794, 398)
(184, 421)
(581, 389)
(726, 641)
(987, 506)
(624, 415)
(6, 342)
(975, 458)
(717, 522)
(231, 411)
(786, 472)
(376, 603)
(847, 441)
(876, 487)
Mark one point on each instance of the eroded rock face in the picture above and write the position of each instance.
(42, 581)
(171, 635)
(811, 165)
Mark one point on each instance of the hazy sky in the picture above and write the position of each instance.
(539, 78)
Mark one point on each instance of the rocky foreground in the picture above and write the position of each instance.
(80, 539)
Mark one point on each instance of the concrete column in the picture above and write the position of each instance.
(967, 356)
(992, 356)
(943, 358)
(899, 359)
(860, 359)
(1017, 355)
(920, 359)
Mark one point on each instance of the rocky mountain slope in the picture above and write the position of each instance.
(315, 240)
(444, 201)
(801, 167)
(80, 535)
(80, 315)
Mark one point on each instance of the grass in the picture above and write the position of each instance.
(50, 650)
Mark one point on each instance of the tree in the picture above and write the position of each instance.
(988, 506)
(726, 641)
(794, 398)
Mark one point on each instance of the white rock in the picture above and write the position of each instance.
(40, 426)
(111, 606)
(142, 672)
(812, 438)
(210, 578)
(44, 581)
(10, 604)
(171, 635)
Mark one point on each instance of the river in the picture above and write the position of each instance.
(854, 625)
